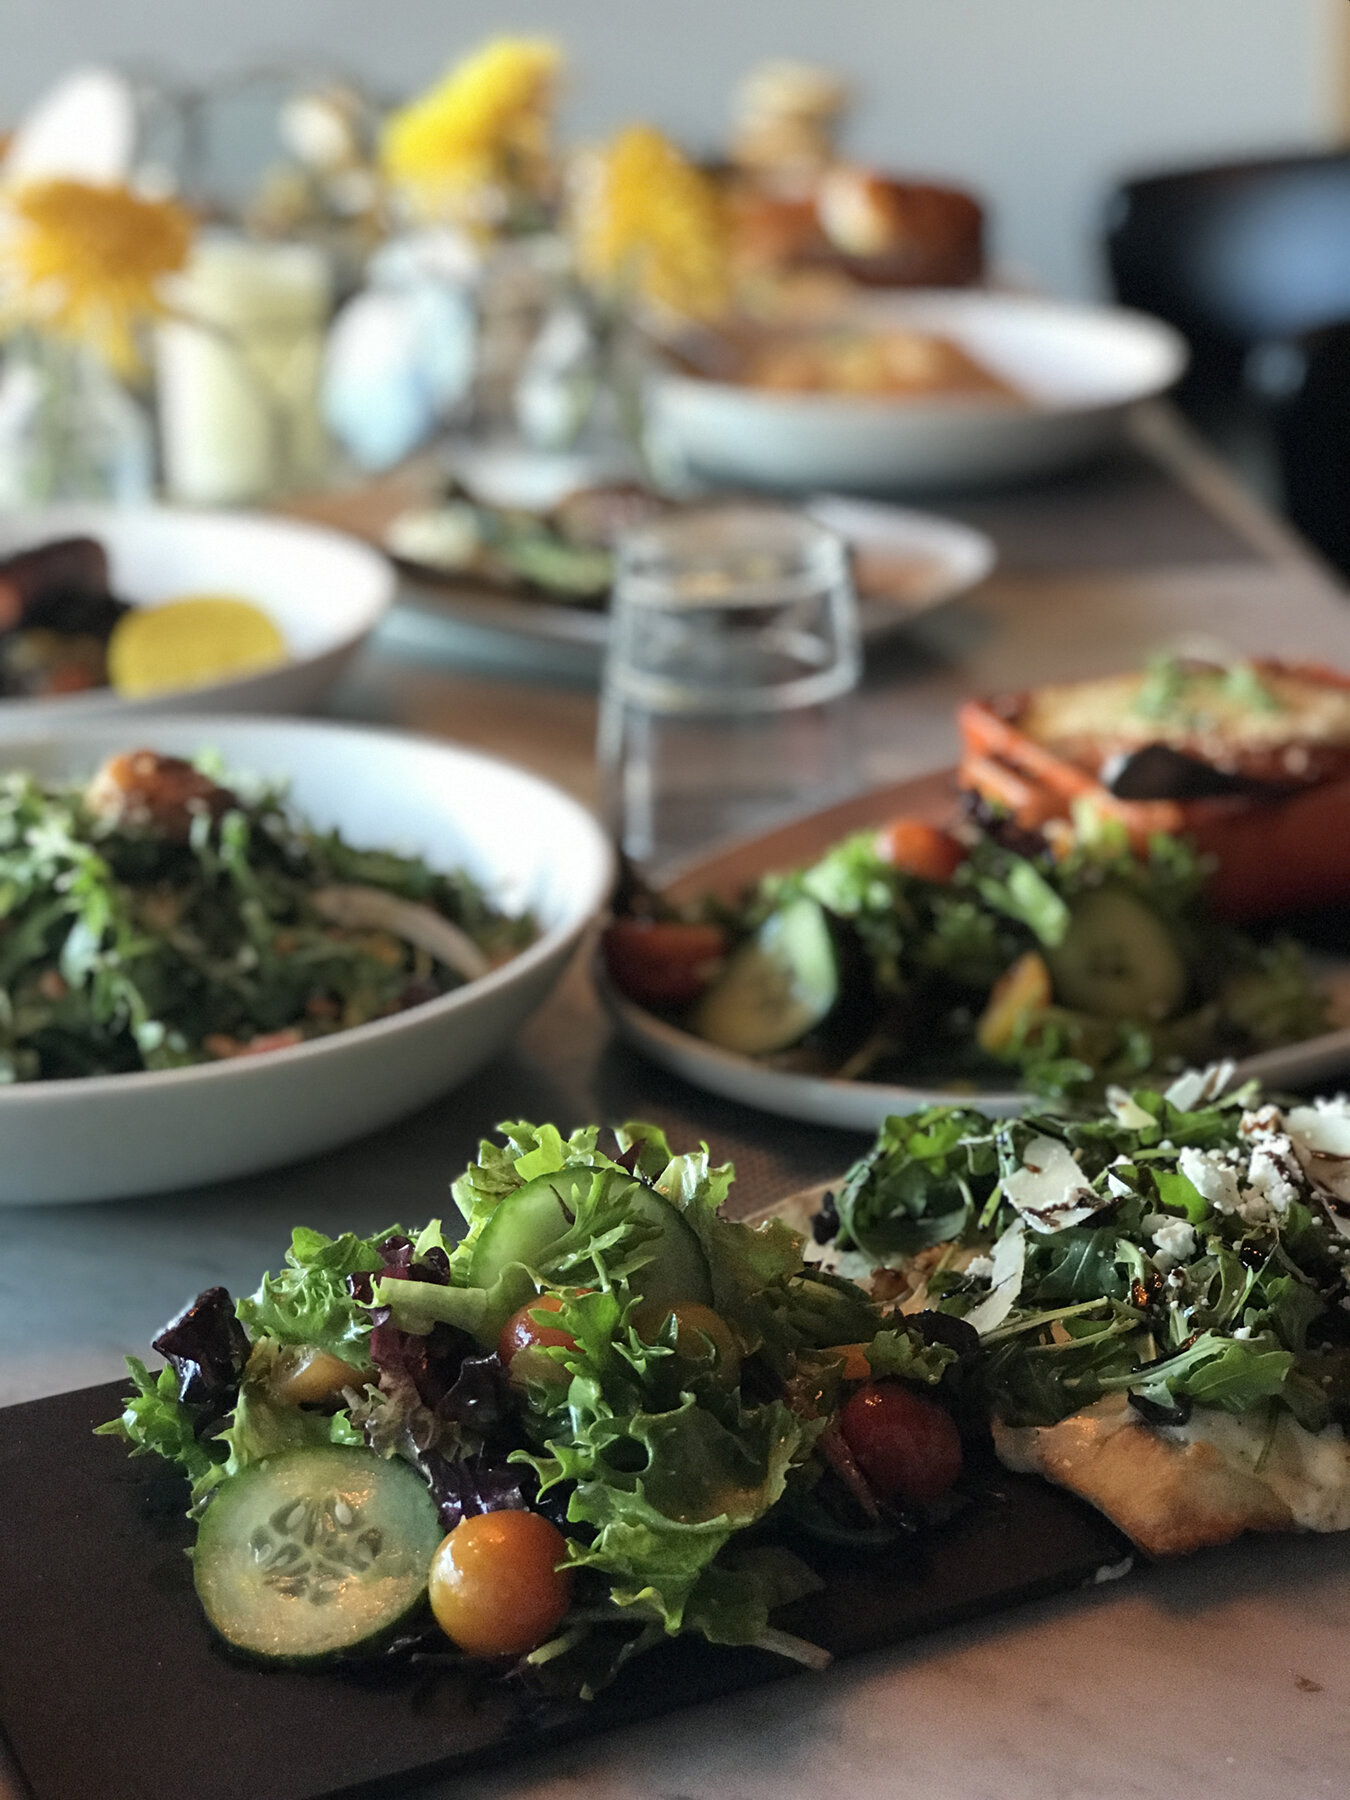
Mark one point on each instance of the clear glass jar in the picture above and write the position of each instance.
(69, 430)
(727, 699)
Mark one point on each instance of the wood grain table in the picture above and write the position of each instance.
(1224, 1679)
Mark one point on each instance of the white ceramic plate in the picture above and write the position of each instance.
(917, 561)
(532, 846)
(1079, 366)
(848, 1105)
(325, 591)
(863, 1105)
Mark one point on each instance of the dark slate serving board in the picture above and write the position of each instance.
(110, 1684)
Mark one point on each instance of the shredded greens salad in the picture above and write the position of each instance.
(1182, 1248)
(912, 954)
(682, 1403)
(158, 917)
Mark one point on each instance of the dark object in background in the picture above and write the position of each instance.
(1251, 261)
(1305, 384)
(1234, 254)
(56, 616)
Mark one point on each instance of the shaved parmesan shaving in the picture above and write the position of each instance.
(1197, 1087)
(1320, 1135)
(1049, 1190)
(1008, 1260)
(1126, 1110)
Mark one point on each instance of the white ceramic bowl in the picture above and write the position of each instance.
(113, 1135)
(326, 593)
(1080, 366)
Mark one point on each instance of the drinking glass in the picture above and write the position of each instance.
(733, 653)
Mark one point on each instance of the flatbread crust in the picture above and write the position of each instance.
(1171, 1489)
(1174, 1489)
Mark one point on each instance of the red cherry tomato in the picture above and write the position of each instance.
(920, 849)
(907, 1447)
(663, 962)
(523, 1331)
(495, 1584)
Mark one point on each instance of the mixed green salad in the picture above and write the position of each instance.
(161, 916)
(1185, 1248)
(604, 1416)
(912, 954)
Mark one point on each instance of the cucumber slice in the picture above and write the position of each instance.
(315, 1552)
(1118, 959)
(528, 1223)
(776, 988)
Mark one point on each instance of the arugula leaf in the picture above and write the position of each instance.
(928, 1174)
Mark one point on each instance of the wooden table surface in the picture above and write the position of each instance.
(1225, 1679)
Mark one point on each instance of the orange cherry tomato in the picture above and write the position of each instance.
(702, 1337)
(920, 849)
(495, 1585)
(523, 1331)
(663, 962)
(907, 1447)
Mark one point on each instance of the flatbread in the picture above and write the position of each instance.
(1174, 1489)
(1171, 1489)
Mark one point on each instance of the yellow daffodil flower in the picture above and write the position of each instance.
(87, 261)
(647, 222)
(485, 126)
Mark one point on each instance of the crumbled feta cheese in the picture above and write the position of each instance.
(1126, 1110)
(1174, 1237)
(1049, 1190)
(1213, 1176)
(1116, 1186)
(1271, 1188)
(1242, 1332)
(1196, 1087)
(981, 1267)
(1265, 1118)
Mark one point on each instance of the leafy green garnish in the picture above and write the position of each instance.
(309, 1302)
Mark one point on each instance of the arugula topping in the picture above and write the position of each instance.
(126, 946)
(1178, 1248)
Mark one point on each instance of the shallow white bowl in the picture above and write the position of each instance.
(114, 1135)
(326, 593)
(1081, 367)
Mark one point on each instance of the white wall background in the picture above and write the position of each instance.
(1039, 104)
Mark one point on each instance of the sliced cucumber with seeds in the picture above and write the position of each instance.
(777, 987)
(1118, 960)
(315, 1552)
(528, 1223)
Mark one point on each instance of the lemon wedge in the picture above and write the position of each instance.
(190, 641)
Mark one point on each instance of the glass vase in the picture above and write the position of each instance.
(69, 430)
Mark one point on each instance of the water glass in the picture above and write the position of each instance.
(733, 653)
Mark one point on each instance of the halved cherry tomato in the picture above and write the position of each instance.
(663, 962)
(495, 1585)
(920, 849)
(908, 1447)
(522, 1331)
